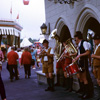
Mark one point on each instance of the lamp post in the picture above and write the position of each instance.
(44, 29)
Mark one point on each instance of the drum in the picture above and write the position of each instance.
(72, 69)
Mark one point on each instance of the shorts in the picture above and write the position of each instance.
(96, 72)
(47, 67)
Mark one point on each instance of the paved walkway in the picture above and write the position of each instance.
(29, 89)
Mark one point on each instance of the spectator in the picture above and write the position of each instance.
(1, 59)
(20, 54)
(12, 62)
(2, 89)
(26, 61)
(33, 53)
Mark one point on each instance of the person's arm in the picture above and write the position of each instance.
(72, 55)
(42, 54)
(95, 56)
(87, 52)
(83, 54)
(50, 55)
(2, 56)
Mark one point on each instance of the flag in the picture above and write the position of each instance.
(17, 16)
(11, 10)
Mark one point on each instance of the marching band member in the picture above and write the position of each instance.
(96, 61)
(57, 51)
(82, 58)
(67, 61)
(47, 62)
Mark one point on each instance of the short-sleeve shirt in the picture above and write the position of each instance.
(85, 45)
(51, 52)
(89, 45)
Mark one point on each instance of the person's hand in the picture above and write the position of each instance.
(77, 57)
(93, 55)
(43, 52)
(74, 60)
(64, 55)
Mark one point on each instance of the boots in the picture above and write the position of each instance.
(86, 92)
(67, 83)
(58, 80)
(70, 84)
(98, 98)
(49, 85)
(52, 84)
(81, 90)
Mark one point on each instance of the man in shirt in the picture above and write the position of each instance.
(47, 62)
(96, 61)
(82, 58)
(12, 57)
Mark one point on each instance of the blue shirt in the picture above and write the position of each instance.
(34, 54)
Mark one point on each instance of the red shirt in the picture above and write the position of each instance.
(12, 58)
(26, 57)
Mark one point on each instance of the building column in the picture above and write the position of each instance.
(15, 41)
(19, 42)
(8, 40)
(12, 39)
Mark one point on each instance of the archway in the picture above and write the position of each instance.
(62, 29)
(93, 25)
(87, 19)
(64, 34)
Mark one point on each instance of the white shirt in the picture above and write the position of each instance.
(9, 49)
(85, 45)
(51, 52)
(89, 44)
(20, 54)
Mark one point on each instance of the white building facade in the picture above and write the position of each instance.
(80, 15)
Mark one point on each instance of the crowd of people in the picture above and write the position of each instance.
(79, 60)
(17, 57)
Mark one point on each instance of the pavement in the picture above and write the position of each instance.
(29, 89)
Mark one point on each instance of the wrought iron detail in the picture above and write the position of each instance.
(64, 1)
